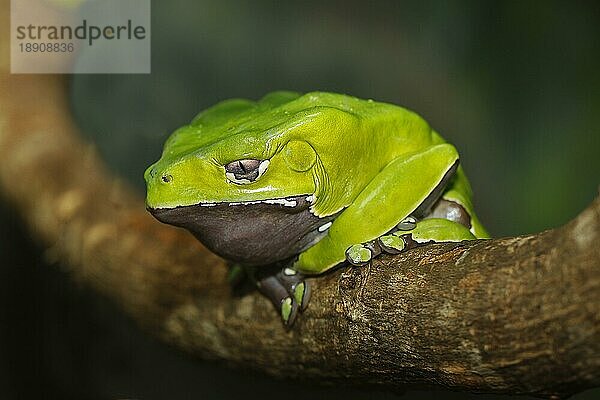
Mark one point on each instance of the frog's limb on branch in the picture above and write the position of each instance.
(515, 315)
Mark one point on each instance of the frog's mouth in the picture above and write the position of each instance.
(254, 232)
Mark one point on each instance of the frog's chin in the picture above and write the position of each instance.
(251, 232)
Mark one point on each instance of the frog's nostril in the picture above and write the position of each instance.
(166, 178)
(152, 173)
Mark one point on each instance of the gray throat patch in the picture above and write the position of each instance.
(253, 233)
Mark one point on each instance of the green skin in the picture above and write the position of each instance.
(368, 163)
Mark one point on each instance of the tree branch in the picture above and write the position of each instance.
(514, 315)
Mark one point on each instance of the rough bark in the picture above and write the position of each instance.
(514, 315)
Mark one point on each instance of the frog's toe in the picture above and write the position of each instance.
(284, 301)
(295, 285)
(361, 254)
(358, 255)
(407, 224)
(392, 244)
(302, 293)
(288, 311)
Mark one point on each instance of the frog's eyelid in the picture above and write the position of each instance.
(262, 167)
(245, 171)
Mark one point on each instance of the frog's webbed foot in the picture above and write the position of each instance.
(394, 242)
(362, 253)
(429, 230)
(288, 291)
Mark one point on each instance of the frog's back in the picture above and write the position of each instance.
(381, 130)
(235, 115)
(387, 129)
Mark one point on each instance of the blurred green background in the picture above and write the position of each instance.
(514, 85)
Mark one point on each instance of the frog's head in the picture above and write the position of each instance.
(244, 172)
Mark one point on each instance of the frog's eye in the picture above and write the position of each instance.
(245, 171)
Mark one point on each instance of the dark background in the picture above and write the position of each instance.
(514, 85)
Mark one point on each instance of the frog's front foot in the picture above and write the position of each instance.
(288, 291)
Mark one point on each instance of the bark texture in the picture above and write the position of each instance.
(514, 315)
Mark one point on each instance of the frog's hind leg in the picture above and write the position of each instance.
(407, 185)
(447, 221)
(435, 230)
(288, 291)
(458, 196)
(444, 221)
(452, 211)
(425, 231)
